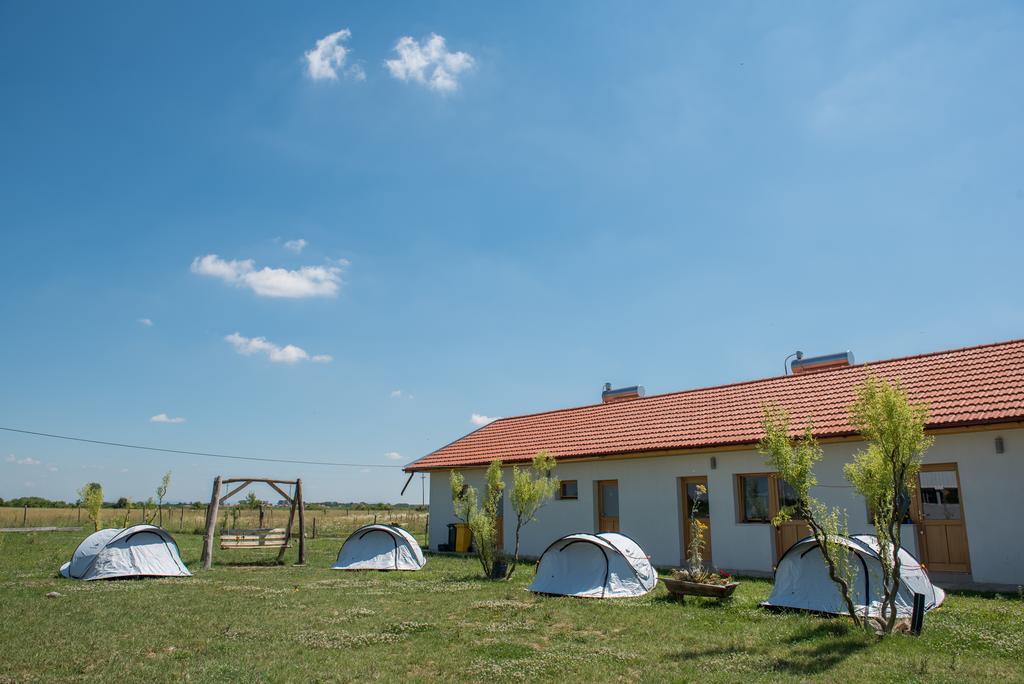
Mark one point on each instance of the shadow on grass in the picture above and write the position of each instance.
(811, 650)
(473, 577)
(704, 602)
(251, 563)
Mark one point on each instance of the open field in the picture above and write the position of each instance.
(330, 522)
(254, 623)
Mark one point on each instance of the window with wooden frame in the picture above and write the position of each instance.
(754, 498)
(568, 489)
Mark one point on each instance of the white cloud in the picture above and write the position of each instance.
(478, 419)
(396, 394)
(28, 460)
(52, 468)
(164, 418)
(286, 354)
(325, 60)
(307, 281)
(356, 72)
(429, 64)
(146, 322)
(296, 245)
(393, 456)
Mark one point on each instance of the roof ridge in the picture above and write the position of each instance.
(723, 404)
(740, 383)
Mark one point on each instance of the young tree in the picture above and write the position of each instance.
(695, 549)
(885, 473)
(91, 496)
(795, 461)
(253, 503)
(161, 492)
(481, 519)
(125, 503)
(531, 489)
(149, 511)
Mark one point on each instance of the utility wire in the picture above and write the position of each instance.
(200, 453)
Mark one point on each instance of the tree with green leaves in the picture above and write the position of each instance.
(482, 519)
(252, 502)
(885, 472)
(91, 496)
(531, 488)
(795, 461)
(161, 492)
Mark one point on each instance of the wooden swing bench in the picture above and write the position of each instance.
(275, 538)
(260, 538)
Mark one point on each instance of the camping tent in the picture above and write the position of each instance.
(138, 551)
(802, 581)
(606, 565)
(380, 547)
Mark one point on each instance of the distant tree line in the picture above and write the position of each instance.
(35, 502)
(125, 502)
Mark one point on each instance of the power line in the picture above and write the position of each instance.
(200, 453)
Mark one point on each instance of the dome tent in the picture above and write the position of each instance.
(137, 551)
(802, 581)
(605, 565)
(380, 547)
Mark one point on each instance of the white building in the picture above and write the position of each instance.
(632, 463)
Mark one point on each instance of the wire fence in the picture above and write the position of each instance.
(187, 519)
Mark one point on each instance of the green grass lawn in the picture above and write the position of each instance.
(245, 623)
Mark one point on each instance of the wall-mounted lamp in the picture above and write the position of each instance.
(1000, 447)
(713, 462)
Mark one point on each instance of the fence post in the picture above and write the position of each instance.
(24, 517)
(79, 514)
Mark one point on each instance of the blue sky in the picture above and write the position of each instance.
(560, 195)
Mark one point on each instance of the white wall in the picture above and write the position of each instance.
(650, 507)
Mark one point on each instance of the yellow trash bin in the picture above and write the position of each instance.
(462, 537)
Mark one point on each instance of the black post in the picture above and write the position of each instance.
(917, 617)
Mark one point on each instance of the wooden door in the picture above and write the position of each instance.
(607, 505)
(941, 533)
(791, 531)
(696, 505)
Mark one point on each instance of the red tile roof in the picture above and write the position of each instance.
(970, 386)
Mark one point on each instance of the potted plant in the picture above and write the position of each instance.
(695, 579)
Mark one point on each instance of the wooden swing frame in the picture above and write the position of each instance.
(297, 506)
